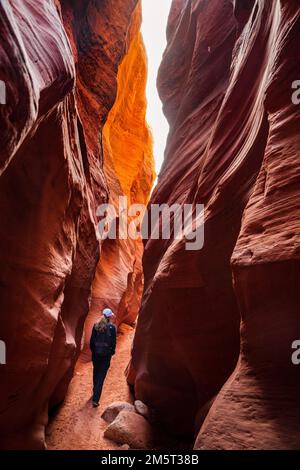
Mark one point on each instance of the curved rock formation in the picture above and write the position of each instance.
(52, 181)
(129, 170)
(226, 81)
(259, 407)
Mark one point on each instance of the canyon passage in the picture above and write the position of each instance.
(205, 336)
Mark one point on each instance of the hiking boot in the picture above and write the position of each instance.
(95, 404)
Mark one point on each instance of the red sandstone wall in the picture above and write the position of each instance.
(225, 81)
(51, 182)
(129, 170)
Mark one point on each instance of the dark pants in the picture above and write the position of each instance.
(101, 365)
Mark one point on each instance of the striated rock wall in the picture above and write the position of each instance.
(259, 406)
(226, 83)
(129, 170)
(59, 61)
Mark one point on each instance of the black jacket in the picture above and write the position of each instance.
(104, 341)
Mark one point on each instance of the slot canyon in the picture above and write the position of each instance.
(205, 336)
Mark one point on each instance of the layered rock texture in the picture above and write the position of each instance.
(59, 62)
(212, 352)
(129, 170)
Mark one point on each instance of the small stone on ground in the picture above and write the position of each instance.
(132, 429)
(112, 411)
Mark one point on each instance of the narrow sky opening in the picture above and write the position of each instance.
(154, 27)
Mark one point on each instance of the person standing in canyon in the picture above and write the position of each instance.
(103, 346)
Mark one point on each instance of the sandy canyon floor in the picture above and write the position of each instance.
(78, 426)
